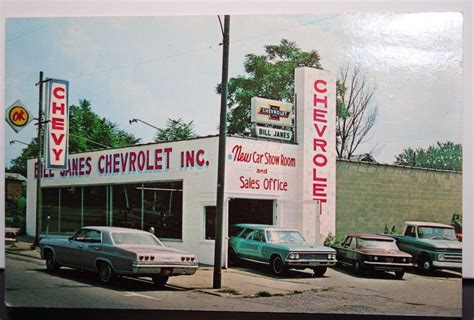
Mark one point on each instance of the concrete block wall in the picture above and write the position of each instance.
(369, 196)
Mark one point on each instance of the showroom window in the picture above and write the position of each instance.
(163, 208)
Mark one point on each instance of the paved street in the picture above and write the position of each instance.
(340, 291)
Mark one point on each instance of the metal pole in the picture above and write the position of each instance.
(221, 161)
(38, 163)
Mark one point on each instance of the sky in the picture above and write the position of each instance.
(155, 68)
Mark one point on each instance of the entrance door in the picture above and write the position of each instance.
(250, 211)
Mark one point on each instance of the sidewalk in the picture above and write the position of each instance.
(236, 282)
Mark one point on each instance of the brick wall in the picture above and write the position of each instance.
(368, 196)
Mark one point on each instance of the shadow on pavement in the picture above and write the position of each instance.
(369, 275)
(119, 284)
(266, 271)
(438, 273)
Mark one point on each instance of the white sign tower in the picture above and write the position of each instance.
(315, 98)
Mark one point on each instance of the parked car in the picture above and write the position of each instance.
(281, 248)
(10, 235)
(113, 251)
(432, 245)
(369, 252)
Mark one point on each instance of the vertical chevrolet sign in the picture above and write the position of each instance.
(57, 133)
(315, 92)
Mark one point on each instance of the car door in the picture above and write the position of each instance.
(247, 245)
(69, 253)
(255, 245)
(238, 242)
(90, 249)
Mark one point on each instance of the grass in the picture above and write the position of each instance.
(229, 291)
(263, 294)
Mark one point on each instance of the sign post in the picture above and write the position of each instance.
(39, 167)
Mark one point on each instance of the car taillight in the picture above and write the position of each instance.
(141, 258)
(192, 258)
(146, 258)
(187, 258)
(152, 258)
(183, 258)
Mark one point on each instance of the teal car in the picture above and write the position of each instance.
(281, 248)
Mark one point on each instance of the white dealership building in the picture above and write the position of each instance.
(172, 186)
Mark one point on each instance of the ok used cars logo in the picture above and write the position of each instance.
(274, 112)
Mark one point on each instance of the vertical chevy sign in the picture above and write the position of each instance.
(315, 96)
(57, 133)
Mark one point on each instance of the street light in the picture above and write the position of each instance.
(136, 120)
(13, 141)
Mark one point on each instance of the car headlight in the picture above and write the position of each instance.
(294, 256)
(332, 256)
(376, 258)
(440, 257)
(404, 259)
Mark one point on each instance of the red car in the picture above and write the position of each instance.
(370, 252)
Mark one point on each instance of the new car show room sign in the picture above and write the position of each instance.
(57, 132)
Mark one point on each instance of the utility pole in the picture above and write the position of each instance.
(221, 161)
(38, 162)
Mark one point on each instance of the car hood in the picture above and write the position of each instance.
(304, 247)
(384, 252)
(441, 243)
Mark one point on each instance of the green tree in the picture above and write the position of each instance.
(270, 76)
(87, 131)
(443, 155)
(175, 130)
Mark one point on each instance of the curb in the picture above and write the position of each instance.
(19, 253)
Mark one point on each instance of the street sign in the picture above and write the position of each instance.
(17, 116)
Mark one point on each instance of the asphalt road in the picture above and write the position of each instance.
(339, 292)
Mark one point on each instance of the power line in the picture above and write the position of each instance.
(193, 51)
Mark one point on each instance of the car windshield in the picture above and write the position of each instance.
(284, 236)
(376, 244)
(436, 233)
(128, 238)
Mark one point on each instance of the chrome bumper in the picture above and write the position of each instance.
(388, 265)
(172, 270)
(310, 263)
(447, 265)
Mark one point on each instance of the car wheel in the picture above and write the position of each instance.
(52, 264)
(425, 264)
(399, 274)
(106, 273)
(358, 269)
(278, 266)
(160, 281)
(319, 271)
(232, 258)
